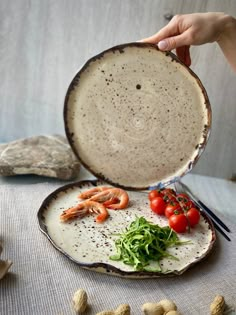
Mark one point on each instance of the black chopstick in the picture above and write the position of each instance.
(203, 206)
(215, 219)
(212, 214)
(220, 230)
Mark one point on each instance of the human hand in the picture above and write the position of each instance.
(186, 30)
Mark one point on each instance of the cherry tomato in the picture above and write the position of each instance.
(193, 216)
(168, 197)
(153, 194)
(158, 205)
(182, 197)
(189, 204)
(169, 194)
(168, 191)
(172, 208)
(178, 222)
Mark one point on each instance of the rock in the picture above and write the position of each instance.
(49, 156)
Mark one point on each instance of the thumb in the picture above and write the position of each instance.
(173, 42)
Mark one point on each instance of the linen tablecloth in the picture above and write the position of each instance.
(43, 281)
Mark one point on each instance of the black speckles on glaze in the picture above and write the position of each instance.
(121, 100)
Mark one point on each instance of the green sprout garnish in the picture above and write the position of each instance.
(143, 242)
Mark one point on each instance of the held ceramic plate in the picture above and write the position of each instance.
(137, 117)
(90, 244)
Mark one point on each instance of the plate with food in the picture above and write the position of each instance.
(126, 233)
(137, 117)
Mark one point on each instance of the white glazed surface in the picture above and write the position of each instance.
(137, 116)
(89, 243)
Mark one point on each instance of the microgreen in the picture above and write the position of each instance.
(143, 242)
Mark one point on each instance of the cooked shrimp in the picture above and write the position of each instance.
(112, 198)
(84, 208)
(92, 192)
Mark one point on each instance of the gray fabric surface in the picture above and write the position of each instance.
(43, 281)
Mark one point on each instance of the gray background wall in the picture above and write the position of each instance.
(43, 43)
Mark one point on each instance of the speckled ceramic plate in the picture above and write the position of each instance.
(90, 244)
(137, 117)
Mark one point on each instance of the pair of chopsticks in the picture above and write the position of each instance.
(217, 222)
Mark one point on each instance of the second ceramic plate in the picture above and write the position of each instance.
(137, 117)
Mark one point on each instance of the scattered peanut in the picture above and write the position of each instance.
(168, 305)
(152, 309)
(80, 301)
(218, 305)
(173, 313)
(163, 307)
(4, 264)
(123, 309)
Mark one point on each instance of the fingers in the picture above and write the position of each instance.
(171, 42)
(180, 43)
(154, 39)
(183, 54)
(174, 42)
(175, 35)
(169, 30)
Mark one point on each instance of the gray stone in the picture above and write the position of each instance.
(49, 156)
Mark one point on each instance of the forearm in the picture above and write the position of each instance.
(227, 40)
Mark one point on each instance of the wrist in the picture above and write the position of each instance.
(228, 29)
(227, 40)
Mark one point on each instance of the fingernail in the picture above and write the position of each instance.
(162, 45)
